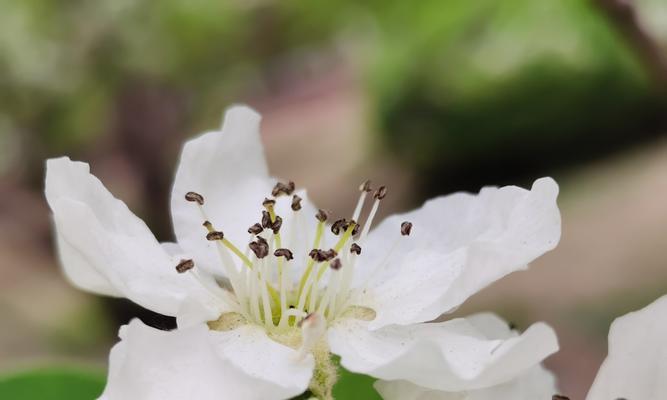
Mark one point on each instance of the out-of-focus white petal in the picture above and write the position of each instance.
(252, 351)
(106, 249)
(449, 356)
(536, 384)
(149, 364)
(228, 168)
(459, 244)
(636, 366)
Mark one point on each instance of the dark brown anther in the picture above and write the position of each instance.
(261, 240)
(336, 264)
(561, 397)
(260, 248)
(215, 235)
(355, 226)
(322, 215)
(185, 265)
(329, 254)
(268, 202)
(266, 219)
(275, 225)
(322, 255)
(338, 226)
(406, 228)
(207, 225)
(296, 203)
(355, 248)
(380, 193)
(256, 229)
(365, 187)
(282, 188)
(287, 253)
(195, 197)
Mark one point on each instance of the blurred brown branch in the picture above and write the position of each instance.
(623, 16)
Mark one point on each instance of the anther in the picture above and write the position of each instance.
(208, 225)
(365, 187)
(195, 197)
(296, 203)
(322, 255)
(561, 397)
(266, 219)
(275, 225)
(339, 225)
(256, 229)
(282, 188)
(215, 235)
(355, 228)
(268, 202)
(336, 264)
(406, 228)
(260, 248)
(287, 253)
(380, 193)
(355, 248)
(322, 215)
(185, 265)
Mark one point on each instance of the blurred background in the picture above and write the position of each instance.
(427, 97)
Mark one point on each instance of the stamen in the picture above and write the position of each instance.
(268, 203)
(355, 226)
(276, 224)
(266, 219)
(195, 197)
(339, 225)
(259, 247)
(282, 188)
(380, 193)
(215, 235)
(287, 253)
(336, 264)
(355, 249)
(322, 215)
(406, 228)
(296, 203)
(322, 255)
(256, 229)
(184, 266)
(365, 186)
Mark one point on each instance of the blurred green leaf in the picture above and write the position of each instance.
(353, 386)
(52, 383)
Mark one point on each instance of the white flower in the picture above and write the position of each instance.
(535, 383)
(366, 293)
(636, 366)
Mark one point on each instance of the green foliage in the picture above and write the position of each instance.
(353, 386)
(54, 383)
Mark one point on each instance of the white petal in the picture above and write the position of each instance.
(252, 351)
(459, 244)
(536, 384)
(636, 366)
(106, 249)
(149, 364)
(228, 168)
(450, 356)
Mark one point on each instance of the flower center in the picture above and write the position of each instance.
(279, 287)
